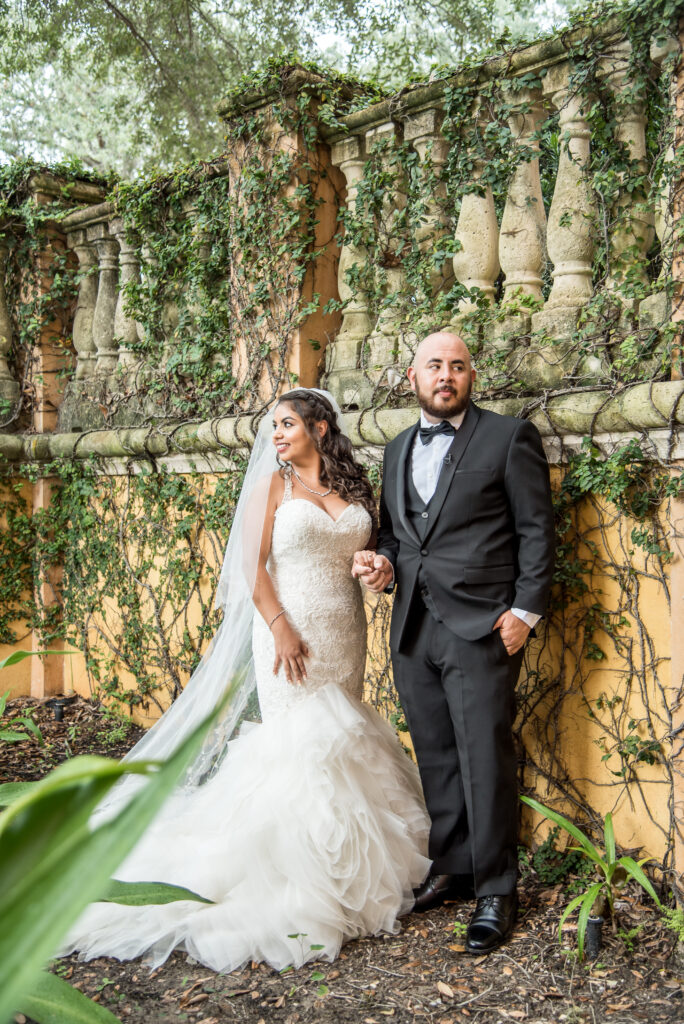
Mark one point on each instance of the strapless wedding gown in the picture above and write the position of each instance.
(314, 830)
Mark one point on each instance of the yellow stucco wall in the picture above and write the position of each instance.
(566, 718)
(620, 698)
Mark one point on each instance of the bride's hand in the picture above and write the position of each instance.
(290, 652)
(374, 571)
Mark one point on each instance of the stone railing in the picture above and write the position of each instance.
(533, 269)
(112, 257)
(52, 193)
(527, 243)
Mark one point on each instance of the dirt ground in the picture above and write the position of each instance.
(420, 974)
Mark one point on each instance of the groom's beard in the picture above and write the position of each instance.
(445, 410)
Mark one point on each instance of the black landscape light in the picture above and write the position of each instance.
(58, 703)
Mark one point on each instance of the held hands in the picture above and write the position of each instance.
(514, 632)
(374, 571)
(290, 652)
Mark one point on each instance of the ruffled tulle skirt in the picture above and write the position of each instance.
(312, 832)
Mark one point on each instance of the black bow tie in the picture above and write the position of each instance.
(427, 433)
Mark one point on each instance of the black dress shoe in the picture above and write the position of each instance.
(492, 923)
(436, 889)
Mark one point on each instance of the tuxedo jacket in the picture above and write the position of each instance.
(487, 541)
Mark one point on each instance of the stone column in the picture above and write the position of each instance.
(125, 327)
(633, 231)
(86, 352)
(423, 130)
(522, 237)
(655, 310)
(387, 344)
(343, 355)
(107, 297)
(572, 217)
(9, 388)
(476, 264)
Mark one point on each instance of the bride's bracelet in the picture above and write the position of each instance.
(281, 612)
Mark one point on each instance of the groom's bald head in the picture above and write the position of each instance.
(441, 342)
(442, 374)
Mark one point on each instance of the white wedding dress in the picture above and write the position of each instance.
(313, 831)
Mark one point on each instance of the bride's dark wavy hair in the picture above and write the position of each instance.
(339, 468)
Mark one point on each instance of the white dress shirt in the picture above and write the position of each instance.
(426, 465)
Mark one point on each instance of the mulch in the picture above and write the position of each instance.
(421, 974)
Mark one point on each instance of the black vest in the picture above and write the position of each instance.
(418, 513)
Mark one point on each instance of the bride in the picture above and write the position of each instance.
(310, 828)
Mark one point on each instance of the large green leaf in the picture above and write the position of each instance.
(11, 791)
(17, 656)
(8, 736)
(609, 838)
(574, 903)
(636, 872)
(38, 824)
(143, 894)
(54, 879)
(586, 844)
(54, 1001)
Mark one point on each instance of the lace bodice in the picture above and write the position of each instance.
(310, 564)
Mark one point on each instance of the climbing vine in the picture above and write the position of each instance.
(227, 252)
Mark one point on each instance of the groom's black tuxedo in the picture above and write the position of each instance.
(481, 545)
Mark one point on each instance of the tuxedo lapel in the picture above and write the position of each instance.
(403, 457)
(451, 461)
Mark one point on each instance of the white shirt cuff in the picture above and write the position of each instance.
(529, 618)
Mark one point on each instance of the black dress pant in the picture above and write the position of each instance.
(459, 700)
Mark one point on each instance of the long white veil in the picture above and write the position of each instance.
(229, 655)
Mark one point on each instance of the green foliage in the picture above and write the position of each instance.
(135, 84)
(674, 919)
(151, 545)
(143, 894)
(14, 736)
(551, 864)
(41, 302)
(117, 727)
(53, 1001)
(613, 871)
(225, 248)
(53, 862)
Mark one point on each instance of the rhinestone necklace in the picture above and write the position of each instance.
(321, 494)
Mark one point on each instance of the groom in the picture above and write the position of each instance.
(466, 536)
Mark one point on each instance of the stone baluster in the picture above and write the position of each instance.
(655, 309)
(476, 264)
(423, 131)
(107, 296)
(572, 217)
(633, 233)
(343, 355)
(125, 327)
(522, 237)
(86, 351)
(9, 388)
(387, 344)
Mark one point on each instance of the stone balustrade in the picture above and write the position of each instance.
(111, 257)
(102, 333)
(524, 257)
(534, 268)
